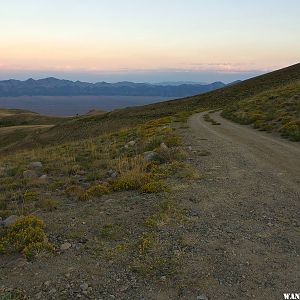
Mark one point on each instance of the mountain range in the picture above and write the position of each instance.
(56, 87)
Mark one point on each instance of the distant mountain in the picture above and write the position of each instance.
(56, 87)
(180, 83)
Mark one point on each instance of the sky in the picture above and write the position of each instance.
(147, 40)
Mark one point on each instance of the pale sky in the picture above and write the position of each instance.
(147, 40)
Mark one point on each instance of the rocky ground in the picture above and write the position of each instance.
(232, 233)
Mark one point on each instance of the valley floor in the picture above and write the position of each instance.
(239, 238)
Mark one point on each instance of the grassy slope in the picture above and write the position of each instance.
(91, 126)
(78, 168)
(273, 110)
(18, 117)
(17, 120)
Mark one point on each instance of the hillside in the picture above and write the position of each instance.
(18, 125)
(17, 117)
(276, 110)
(140, 202)
(91, 126)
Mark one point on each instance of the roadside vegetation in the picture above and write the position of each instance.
(104, 188)
(141, 159)
(276, 110)
(90, 126)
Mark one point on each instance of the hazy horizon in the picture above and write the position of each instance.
(139, 77)
(147, 41)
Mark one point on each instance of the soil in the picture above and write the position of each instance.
(239, 240)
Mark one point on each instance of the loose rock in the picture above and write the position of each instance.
(151, 156)
(84, 286)
(36, 164)
(164, 146)
(131, 143)
(43, 177)
(112, 174)
(10, 221)
(65, 246)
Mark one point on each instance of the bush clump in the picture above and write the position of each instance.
(153, 187)
(27, 236)
(98, 190)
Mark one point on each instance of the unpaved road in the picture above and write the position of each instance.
(268, 153)
(248, 210)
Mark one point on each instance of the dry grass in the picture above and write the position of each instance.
(273, 110)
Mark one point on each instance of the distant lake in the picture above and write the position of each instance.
(72, 105)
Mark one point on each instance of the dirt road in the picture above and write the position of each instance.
(248, 210)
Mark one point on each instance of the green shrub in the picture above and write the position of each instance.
(77, 192)
(153, 187)
(26, 235)
(48, 204)
(30, 196)
(98, 190)
(129, 181)
(39, 249)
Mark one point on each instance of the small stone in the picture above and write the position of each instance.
(29, 174)
(10, 221)
(202, 297)
(47, 283)
(131, 143)
(65, 246)
(84, 286)
(163, 278)
(52, 291)
(112, 173)
(124, 288)
(81, 172)
(36, 164)
(151, 156)
(43, 177)
(164, 146)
